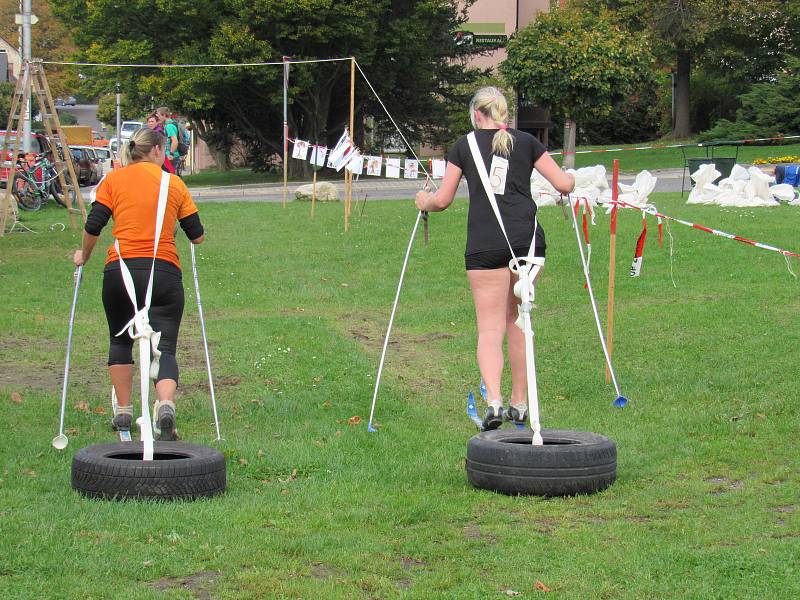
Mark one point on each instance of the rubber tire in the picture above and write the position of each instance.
(569, 463)
(27, 198)
(55, 192)
(177, 471)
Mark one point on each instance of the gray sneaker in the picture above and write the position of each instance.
(165, 424)
(517, 414)
(121, 422)
(493, 418)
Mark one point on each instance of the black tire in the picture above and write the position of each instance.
(569, 462)
(55, 192)
(177, 471)
(27, 197)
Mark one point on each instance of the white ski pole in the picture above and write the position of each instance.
(205, 341)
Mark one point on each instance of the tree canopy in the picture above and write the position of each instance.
(406, 48)
(741, 38)
(578, 64)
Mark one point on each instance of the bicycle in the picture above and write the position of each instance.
(34, 182)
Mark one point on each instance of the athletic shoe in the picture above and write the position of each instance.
(165, 424)
(517, 414)
(121, 422)
(493, 418)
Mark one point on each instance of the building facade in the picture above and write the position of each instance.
(491, 23)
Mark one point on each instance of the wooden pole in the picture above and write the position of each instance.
(313, 192)
(612, 255)
(285, 127)
(348, 193)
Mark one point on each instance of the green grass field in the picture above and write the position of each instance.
(631, 161)
(706, 500)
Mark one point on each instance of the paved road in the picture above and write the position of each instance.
(376, 189)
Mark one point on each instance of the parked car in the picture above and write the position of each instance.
(105, 159)
(40, 145)
(128, 128)
(70, 101)
(87, 165)
(94, 155)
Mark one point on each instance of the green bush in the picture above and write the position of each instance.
(768, 109)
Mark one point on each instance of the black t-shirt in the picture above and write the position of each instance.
(516, 205)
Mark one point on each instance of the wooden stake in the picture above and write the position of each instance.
(313, 192)
(285, 128)
(612, 255)
(348, 176)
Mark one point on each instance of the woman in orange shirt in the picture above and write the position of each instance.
(130, 196)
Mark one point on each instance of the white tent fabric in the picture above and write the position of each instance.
(744, 188)
(592, 183)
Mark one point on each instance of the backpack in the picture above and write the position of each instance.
(184, 139)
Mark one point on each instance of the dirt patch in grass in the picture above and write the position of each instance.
(723, 484)
(322, 571)
(24, 372)
(199, 584)
(409, 562)
(473, 532)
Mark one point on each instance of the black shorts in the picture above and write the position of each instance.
(498, 259)
(166, 309)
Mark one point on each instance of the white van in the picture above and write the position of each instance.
(128, 128)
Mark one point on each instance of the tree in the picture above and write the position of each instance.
(769, 109)
(49, 41)
(740, 37)
(406, 48)
(577, 64)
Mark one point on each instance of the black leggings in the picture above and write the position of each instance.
(166, 310)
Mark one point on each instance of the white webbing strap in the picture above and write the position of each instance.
(139, 326)
(523, 289)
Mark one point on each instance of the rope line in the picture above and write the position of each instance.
(190, 66)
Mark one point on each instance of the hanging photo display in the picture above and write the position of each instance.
(318, 155)
(374, 165)
(412, 169)
(356, 164)
(438, 167)
(300, 149)
(393, 168)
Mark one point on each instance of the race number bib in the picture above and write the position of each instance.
(497, 174)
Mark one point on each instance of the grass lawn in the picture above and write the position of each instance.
(630, 161)
(705, 504)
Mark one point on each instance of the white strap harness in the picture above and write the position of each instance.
(523, 289)
(139, 326)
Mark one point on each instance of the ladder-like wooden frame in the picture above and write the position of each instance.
(34, 80)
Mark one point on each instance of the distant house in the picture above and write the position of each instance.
(490, 25)
(10, 61)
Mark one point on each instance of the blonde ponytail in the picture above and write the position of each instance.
(491, 102)
(139, 146)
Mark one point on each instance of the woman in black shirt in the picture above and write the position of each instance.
(487, 253)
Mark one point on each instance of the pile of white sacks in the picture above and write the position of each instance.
(591, 183)
(744, 187)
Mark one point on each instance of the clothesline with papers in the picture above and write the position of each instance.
(344, 155)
